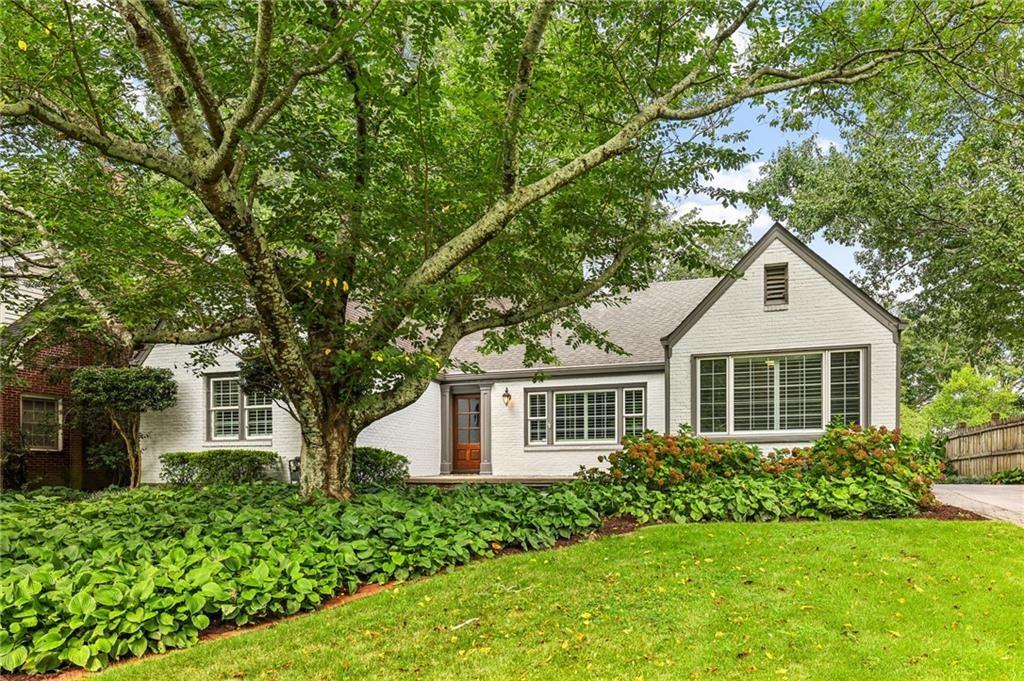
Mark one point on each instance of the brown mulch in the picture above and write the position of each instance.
(945, 512)
(610, 527)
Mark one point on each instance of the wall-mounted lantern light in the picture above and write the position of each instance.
(506, 397)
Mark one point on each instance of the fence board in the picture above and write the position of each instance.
(980, 451)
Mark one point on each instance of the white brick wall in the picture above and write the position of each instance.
(818, 315)
(413, 431)
(510, 455)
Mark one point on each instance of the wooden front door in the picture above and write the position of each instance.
(466, 433)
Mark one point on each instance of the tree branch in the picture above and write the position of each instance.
(228, 329)
(518, 316)
(516, 102)
(159, 160)
(184, 50)
(462, 245)
(314, 69)
(81, 71)
(221, 158)
(172, 93)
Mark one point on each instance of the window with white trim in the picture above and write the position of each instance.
(230, 408)
(797, 392)
(259, 416)
(41, 423)
(585, 416)
(712, 390)
(633, 411)
(537, 418)
(844, 386)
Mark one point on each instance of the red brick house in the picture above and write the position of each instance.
(42, 442)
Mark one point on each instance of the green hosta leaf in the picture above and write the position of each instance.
(201, 621)
(51, 640)
(79, 655)
(195, 602)
(82, 604)
(138, 646)
(14, 659)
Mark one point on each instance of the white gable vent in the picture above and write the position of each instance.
(776, 285)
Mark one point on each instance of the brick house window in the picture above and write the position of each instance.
(41, 424)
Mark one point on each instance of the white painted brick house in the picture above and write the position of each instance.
(769, 354)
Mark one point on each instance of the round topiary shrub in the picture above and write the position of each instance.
(378, 467)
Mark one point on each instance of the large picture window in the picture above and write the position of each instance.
(41, 423)
(778, 393)
(582, 416)
(565, 416)
(233, 415)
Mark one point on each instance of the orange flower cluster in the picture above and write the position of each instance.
(661, 461)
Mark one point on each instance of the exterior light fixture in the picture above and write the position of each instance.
(506, 397)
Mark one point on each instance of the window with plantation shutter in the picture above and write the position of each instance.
(776, 284)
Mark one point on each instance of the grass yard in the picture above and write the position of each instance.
(909, 599)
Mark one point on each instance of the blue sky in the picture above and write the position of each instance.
(765, 140)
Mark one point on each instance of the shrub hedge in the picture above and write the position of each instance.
(217, 466)
(378, 467)
(878, 459)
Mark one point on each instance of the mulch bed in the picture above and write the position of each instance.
(944, 512)
(610, 527)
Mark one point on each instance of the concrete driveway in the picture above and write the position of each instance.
(998, 502)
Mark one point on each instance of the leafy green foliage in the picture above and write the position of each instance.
(1013, 476)
(216, 466)
(124, 389)
(125, 573)
(970, 397)
(378, 467)
(877, 458)
(146, 570)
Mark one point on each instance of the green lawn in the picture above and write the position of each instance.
(911, 599)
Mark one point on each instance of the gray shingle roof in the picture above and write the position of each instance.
(637, 327)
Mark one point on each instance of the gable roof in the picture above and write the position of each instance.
(820, 265)
(636, 326)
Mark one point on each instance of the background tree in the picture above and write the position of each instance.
(354, 185)
(122, 394)
(968, 397)
(928, 184)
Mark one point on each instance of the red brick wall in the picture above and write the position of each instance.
(48, 374)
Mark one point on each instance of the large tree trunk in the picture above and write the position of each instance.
(326, 458)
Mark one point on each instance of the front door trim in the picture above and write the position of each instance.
(447, 445)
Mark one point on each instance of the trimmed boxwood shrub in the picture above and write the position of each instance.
(217, 466)
(378, 467)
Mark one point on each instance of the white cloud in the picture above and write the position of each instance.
(736, 180)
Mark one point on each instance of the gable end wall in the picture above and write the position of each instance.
(819, 315)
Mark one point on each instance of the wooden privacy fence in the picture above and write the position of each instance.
(980, 451)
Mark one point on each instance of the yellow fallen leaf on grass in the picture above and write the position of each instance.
(22, 45)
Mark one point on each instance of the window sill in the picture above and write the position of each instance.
(573, 447)
(773, 436)
(776, 308)
(238, 444)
